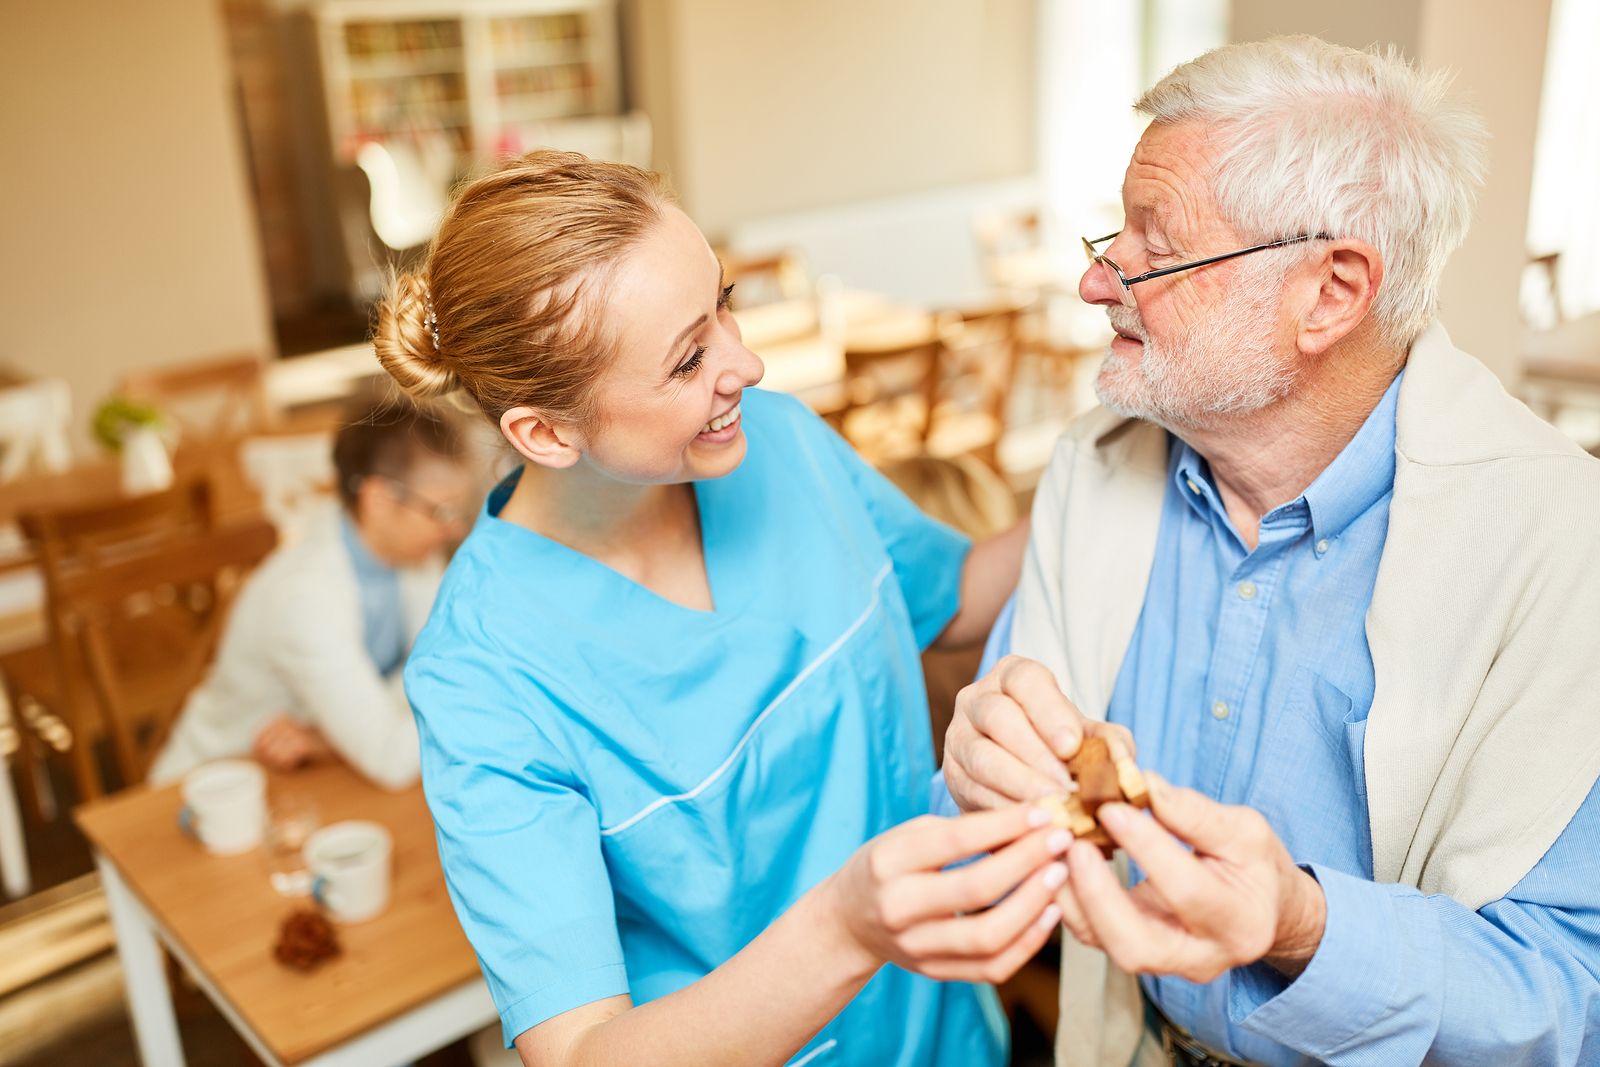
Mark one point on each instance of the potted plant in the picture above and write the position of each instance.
(138, 431)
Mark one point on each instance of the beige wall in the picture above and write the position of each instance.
(1498, 61)
(768, 108)
(126, 231)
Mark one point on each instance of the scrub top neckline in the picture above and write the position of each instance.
(490, 521)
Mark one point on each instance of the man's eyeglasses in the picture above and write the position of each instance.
(444, 514)
(1125, 293)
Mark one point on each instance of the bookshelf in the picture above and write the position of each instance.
(475, 72)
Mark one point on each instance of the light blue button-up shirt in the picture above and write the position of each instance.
(383, 615)
(1249, 678)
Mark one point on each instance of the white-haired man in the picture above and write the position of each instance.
(1338, 587)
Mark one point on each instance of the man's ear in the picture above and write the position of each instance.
(1350, 275)
(540, 441)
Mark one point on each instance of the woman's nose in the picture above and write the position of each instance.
(741, 372)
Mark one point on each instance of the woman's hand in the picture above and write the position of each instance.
(977, 923)
(285, 744)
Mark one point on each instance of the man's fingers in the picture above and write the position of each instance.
(1003, 720)
(1183, 882)
(970, 795)
(1195, 818)
(1072, 916)
(1134, 940)
(1054, 718)
(990, 765)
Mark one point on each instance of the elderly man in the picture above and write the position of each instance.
(1338, 587)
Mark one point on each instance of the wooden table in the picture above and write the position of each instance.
(407, 982)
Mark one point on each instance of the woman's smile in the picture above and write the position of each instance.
(723, 428)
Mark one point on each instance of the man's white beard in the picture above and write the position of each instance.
(1226, 365)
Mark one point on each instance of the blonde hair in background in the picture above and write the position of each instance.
(1316, 137)
(504, 306)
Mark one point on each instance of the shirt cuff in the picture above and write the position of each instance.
(584, 987)
(1349, 986)
(940, 802)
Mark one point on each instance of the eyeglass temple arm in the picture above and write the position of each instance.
(1164, 271)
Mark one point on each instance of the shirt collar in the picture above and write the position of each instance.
(367, 565)
(1359, 476)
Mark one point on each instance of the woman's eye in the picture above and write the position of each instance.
(690, 365)
(727, 296)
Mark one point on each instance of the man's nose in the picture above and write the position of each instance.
(1097, 286)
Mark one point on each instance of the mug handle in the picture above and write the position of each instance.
(186, 823)
(319, 891)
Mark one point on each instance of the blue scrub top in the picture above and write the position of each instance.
(627, 791)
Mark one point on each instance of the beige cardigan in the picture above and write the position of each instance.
(1481, 742)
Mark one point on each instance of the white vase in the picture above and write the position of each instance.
(146, 467)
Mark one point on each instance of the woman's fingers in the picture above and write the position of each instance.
(1001, 966)
(987, 933)
(977, 885)
(929, 842)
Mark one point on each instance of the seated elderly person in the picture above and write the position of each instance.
(1340, 589)
(310, 660)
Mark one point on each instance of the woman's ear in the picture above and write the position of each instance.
(540, 441)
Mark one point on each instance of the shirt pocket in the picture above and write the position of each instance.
(1310, 778)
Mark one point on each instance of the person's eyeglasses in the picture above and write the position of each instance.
(444, 514)
(1124, 283)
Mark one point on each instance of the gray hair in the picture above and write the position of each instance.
(1315, 137)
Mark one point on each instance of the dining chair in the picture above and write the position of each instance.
(766, 278)
(974, 381)
(208, 399)
(888, 395)
(46, 683)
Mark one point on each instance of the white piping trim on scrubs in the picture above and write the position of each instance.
(826, 1046)
(799, 679)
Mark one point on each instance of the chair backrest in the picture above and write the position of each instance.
(766, 278)
(221, 397)
(35, 428)
(71, 543)
(979, 359)
(147, 626)
(1007, 232)
(889, 395)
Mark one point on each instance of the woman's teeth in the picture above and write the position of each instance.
(723, 421)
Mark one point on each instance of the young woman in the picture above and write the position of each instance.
(674, 734)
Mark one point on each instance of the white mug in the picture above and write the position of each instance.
(349, 865)
(225, 805)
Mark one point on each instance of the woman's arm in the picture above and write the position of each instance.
(988, 577)
(892, 902)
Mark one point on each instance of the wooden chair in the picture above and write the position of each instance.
(768, 278)
(47, 684)
(976, 372)
(165, 605)
(888, 395)
(223, 397)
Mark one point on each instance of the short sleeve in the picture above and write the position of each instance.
(927, 554)
(518, 837)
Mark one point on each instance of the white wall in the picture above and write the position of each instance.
(1497, 53)
(126, 231)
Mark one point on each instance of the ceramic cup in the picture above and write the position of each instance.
(225, 806)
(349, 864)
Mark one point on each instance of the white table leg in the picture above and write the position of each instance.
(14, 875)
(144, 973)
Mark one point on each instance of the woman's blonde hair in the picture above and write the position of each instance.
(504, 306)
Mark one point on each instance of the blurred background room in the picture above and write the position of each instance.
(200, 201)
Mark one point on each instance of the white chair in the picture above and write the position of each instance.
(35, 424)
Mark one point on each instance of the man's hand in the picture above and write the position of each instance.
(1235, 899)
(1011, 731)
(284, 744)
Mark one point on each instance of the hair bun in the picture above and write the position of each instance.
(406, 340)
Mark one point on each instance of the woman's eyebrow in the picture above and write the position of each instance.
(677, 342)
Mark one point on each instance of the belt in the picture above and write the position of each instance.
(1178, 1045)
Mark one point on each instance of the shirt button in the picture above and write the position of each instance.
(1322, 547)
(1193, 488)
(1247, 590)
(1219, 710)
